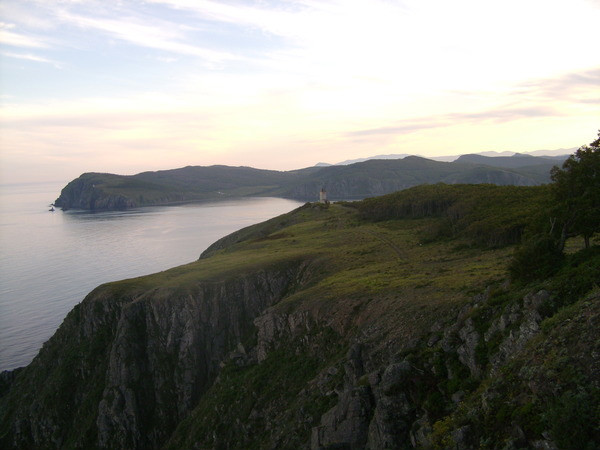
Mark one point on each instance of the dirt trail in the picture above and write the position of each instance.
(387, 241)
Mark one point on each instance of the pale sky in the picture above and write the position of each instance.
(128, 86)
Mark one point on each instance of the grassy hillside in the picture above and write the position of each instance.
(387, 281)
(481, 214)
(389, 323)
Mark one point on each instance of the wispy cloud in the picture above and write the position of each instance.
(160, 37)
(240, 80)
(505, 114)
(575, 87)
(537, 98)
(14, 39)
(496, 115)
(279, 20)
(32, 57)
(408, 126)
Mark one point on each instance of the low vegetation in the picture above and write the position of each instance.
(441, 316)
(486, 215)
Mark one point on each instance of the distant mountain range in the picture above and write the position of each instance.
(373, 177)
(545, 153)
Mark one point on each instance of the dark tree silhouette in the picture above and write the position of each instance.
(576, 190)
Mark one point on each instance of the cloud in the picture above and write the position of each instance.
(320, 76)
(504, 114)
(161, 36)
(409, 126)
(574, 87)
(498, 115)
(549, 97)
(278, 21)
(32, 57)
(316, 39)
(20, 40)
(121, 120)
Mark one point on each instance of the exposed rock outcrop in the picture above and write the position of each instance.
(87, 193)
(129, 368)
(144, 359)
(379, 410)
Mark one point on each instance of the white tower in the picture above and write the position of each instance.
(323, 196)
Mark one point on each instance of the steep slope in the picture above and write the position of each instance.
(134, 357)
(386, 323)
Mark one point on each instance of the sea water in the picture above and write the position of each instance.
(49, 260)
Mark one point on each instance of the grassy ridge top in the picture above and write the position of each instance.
(406, 262)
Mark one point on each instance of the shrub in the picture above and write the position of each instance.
(579, 275)
(536, 259)
(573, 419)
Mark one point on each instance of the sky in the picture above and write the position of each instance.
(129, 86)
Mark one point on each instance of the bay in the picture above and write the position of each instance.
(49, 261)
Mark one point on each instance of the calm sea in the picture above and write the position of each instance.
(49, 261)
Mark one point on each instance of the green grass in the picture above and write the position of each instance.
(358, 271)
(482, 214)
(381, 272)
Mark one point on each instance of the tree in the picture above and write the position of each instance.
(576, 191)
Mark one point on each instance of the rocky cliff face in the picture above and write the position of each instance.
(382, 408)
(134, 371)
(318, 331)
(382, 400)
(86, 192)
(125, 368)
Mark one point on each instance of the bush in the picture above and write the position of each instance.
(536, 259)
(578, 277)
(573, 419)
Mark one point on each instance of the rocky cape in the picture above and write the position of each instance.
(324, 329)
(97, 191)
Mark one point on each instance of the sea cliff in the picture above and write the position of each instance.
(374, 325)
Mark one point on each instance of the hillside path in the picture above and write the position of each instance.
(386, 241)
